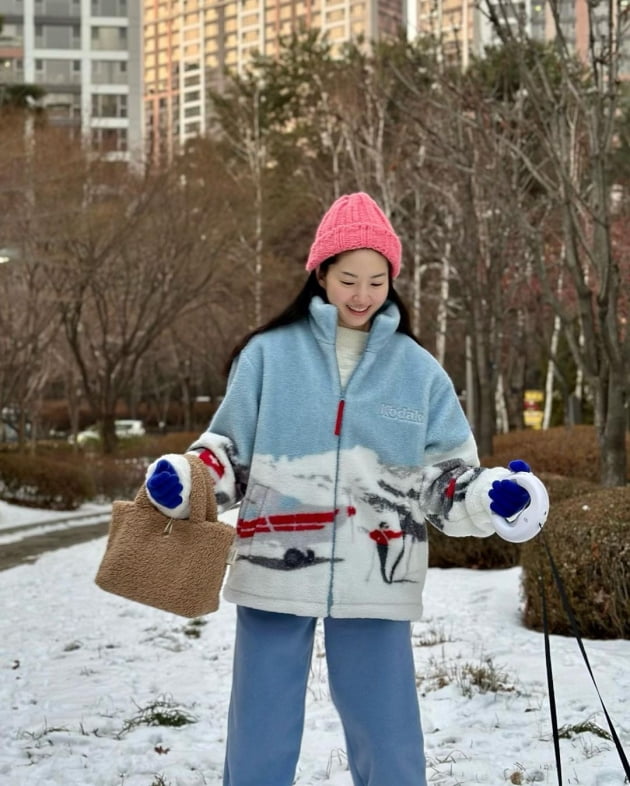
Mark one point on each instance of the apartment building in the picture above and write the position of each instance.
(463, 29)
(86, 55)
(188, 44)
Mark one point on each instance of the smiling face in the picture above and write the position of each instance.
(357, 283)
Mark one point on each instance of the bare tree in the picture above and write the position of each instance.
(469, 179)
(28, 325)
(573, 110)
(28, 319)
(244, 125)
(126, 258)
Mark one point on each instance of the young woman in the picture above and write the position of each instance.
(341, 437)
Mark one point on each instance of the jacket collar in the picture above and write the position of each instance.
(323, 322)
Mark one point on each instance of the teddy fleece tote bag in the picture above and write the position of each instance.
(177, 565)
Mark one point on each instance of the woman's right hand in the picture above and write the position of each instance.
(168, 484)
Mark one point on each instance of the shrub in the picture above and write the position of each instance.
(119, 476)
(115, 477)
(589, 538)
(560, 487)
(38, 482)
(572, 452)
(60, 477)
(469, 552)
(154, 445)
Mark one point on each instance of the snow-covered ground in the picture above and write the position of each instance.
(17, 522)
(82, 671)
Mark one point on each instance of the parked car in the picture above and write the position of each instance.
(8, 433)
(124, 429)
(129, 428)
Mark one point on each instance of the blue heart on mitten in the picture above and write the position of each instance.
(164, 485)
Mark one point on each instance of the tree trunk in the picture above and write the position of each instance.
(486, 409)
(416, 283)
(21, 430)
(187, 402)
(108, 434)
(553, 352)
(471, 394)
(442, 310)
(500, 396)
(612, 435)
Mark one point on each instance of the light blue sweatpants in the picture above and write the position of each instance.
(372, 683)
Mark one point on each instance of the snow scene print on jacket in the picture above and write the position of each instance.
(335, 483)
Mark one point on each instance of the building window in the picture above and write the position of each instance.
(109, 72)
(109, 140)
(58, 72)
(109, 38)
(109, 105)
(63, 109)
(57, 36)
(109, 8)
(11, 34)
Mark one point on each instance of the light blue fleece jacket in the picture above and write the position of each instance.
(336, 484)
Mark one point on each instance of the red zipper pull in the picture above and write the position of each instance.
(340, 407)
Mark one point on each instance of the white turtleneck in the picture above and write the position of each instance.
(349, 347)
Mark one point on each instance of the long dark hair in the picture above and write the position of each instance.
(298, 309)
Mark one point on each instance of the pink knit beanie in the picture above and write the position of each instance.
(355, 221)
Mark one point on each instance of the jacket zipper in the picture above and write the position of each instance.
(339, 418)
(337, 432)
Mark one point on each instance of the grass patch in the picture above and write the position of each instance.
(569, 731)
(192, 629)
(45, 732)
(470, 678)
(159, 780)
(162, 712)
(338, 759)
(483, 677)
(431, 637)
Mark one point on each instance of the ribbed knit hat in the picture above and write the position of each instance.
(355, 221)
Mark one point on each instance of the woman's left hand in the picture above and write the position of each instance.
(519, 509)
(508, 498)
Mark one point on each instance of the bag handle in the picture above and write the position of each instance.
(203, 504)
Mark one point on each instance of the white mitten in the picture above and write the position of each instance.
(168, 483)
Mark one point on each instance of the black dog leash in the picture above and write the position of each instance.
(552, 698)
